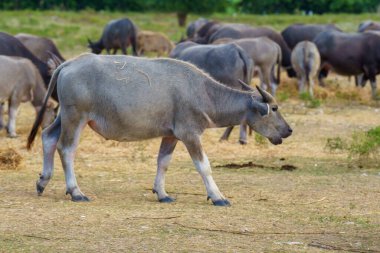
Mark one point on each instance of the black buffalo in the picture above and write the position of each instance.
(117, 34)
(11, 46)
(296, 33)
(350, 54)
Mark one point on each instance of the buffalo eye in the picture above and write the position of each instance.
(275, 108)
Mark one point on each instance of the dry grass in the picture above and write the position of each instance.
(326, 202)
(9, 159)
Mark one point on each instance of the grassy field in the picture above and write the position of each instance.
(327, 202)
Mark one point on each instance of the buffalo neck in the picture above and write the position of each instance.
(226, 106)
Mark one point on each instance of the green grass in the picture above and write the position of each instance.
(70, 30)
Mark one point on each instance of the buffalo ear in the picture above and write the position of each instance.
(267, 98)
(262, 108)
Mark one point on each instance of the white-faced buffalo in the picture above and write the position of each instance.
(11, 46)
(148, 41)
(306, 61)
(369, 26)
(240, 31)
(296, 33)
(40, 46)
(21, 82)
(350, 54)
(226, 63)
(266, 54)
(173, 100)
(117, 34)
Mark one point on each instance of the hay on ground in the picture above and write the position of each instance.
(9, 159)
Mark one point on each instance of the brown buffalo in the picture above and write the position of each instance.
(153, 42)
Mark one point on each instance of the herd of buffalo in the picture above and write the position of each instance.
(204, 85)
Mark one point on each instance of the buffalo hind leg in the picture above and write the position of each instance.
(202, 164)
(164, 156)
(50, 137)
(71, 127)
(226, 133)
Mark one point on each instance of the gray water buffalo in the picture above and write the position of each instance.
(117, 34)
(40, 46)
(306, 61)
(350, 54)
(11, 46)
(296, 33)
(148, 41)
(173, 99)
(193, 27)
(21, 82)
(369, 26)
(226, 63)
(266, 54)
(240, 31)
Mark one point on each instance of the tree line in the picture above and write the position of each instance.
(201, 6)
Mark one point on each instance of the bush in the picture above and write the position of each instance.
(365, 144)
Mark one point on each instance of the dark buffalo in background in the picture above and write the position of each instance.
(296, 33)
(350, 54)
(117, 34)
(11, 46)
(369, 26)
(40, 46)
(202, 35)
(193, 27)
(240, 31)
(227, 63)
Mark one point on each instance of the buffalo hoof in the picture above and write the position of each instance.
(12, 135)
(80, 198)
(243, 142)
(221, 202)
(167, 199)
(40, 189)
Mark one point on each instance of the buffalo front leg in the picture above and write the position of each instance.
(164, 156)
(50, 136)
(1, 115)
(12, 112)
(243, 134)
(71, 127)
(373, 88)
(202, 164)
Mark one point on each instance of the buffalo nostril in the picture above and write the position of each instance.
(290, 130)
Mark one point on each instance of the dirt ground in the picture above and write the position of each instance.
(327, 202)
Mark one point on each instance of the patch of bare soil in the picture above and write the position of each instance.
(294, 197)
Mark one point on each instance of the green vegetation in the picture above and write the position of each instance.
(310, 101)
(201, 6)
(365, 144)
(362, 144)
(70, 29)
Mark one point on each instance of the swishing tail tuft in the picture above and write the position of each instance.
(40, 116)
